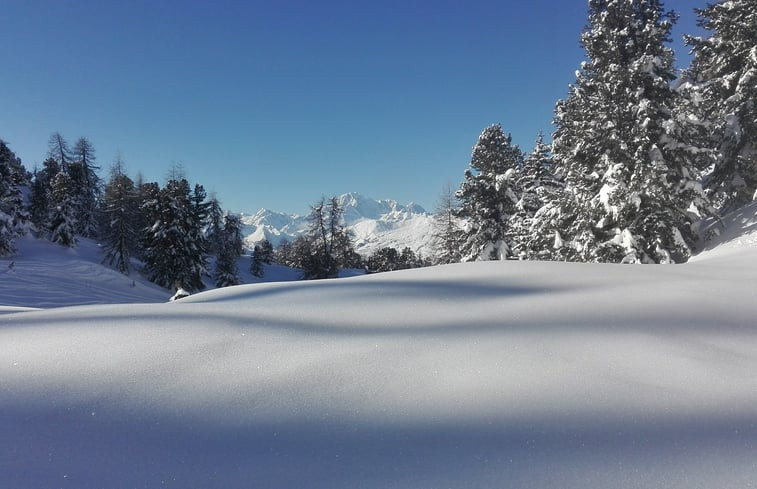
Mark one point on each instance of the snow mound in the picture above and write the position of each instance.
(479, 375)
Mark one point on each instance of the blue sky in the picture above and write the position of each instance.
(273, 104)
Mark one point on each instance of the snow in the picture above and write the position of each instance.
(476, 375)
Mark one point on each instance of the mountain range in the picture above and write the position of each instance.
(372, 223)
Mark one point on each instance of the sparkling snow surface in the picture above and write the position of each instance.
(493, 374)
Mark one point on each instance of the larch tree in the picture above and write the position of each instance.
(447, 231)
(87, 186)
(120, 208)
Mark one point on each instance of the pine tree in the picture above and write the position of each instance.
(148, 212)
(447, 233)
(721, 89)
(63, 220)
(13, 215)
(120, 208)
(488, 195)
(628, 185)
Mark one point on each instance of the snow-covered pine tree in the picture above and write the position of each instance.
(14, 218)
(447, 232)
(538, 186)
(488, 195)
(721, 86)
(148, 212)
(227, 272)
(120, 208)
(628, 187)
(63, 219)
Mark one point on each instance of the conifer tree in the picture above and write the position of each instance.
(263, 253)
(628, 186)
(86, 186)
(721, 107)
(214, 233)
(63, 220)
(256, 261)
(59, 151)
(539, 186)
(13, 215)
(327, 246)
(227, 272)
(120, 209)
(40, 198)
(447, 233)
(488, 195)
(174, 247)
(266, 251)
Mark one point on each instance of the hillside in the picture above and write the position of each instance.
(491, 374)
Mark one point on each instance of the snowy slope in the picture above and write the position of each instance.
(374, 224)
(493, 374)
(43, 274)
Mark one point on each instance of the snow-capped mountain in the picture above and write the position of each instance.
(373, 223)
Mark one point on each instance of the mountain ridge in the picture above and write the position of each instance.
(373, 224)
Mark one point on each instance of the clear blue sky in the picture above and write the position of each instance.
(275, 103)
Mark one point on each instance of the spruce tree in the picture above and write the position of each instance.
(488, 195)
(721, 106)
(628, 185)
(539, 186)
